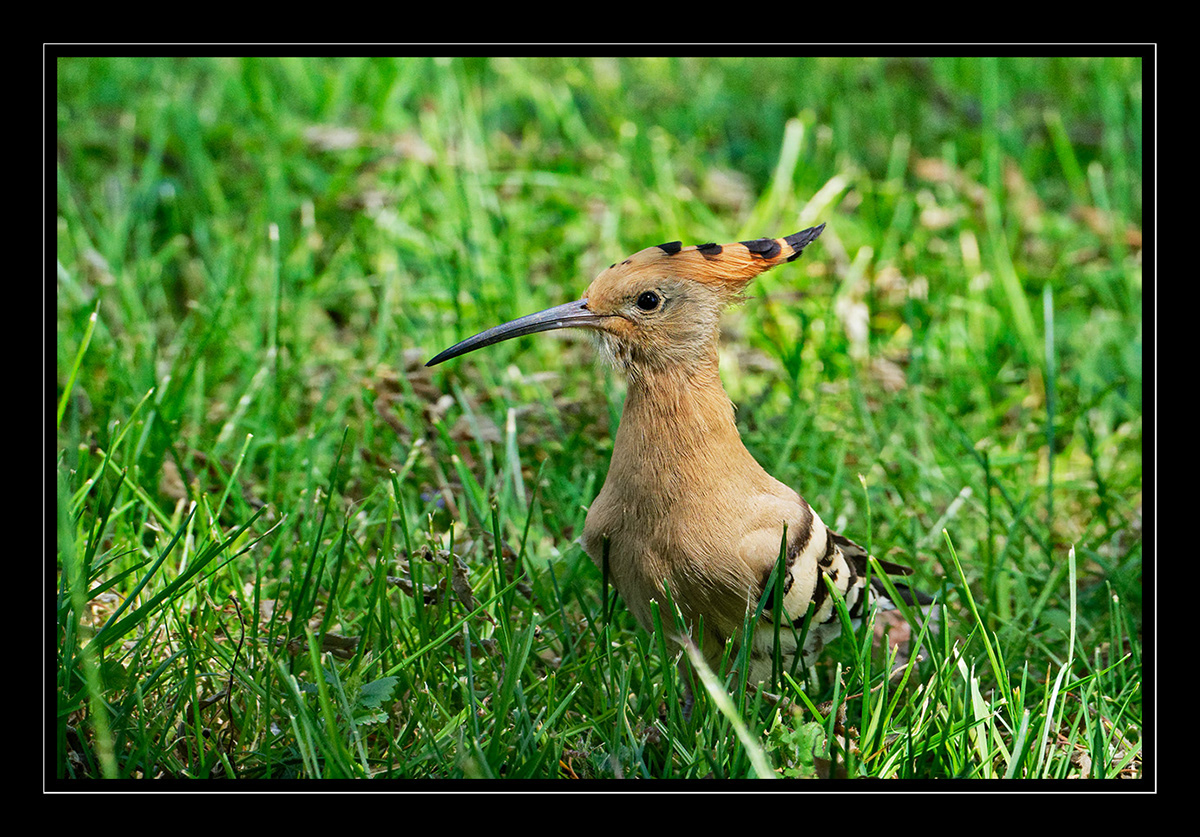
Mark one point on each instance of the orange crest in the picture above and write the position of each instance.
(728, 267)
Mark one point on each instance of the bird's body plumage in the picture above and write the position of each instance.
(685, 508)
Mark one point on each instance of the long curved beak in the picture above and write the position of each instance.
(571, 315)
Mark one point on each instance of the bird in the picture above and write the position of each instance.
(686, 515)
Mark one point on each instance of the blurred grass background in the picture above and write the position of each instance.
(255, 471)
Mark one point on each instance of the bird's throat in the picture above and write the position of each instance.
(677, 432)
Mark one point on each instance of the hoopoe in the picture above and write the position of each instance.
(685, 508)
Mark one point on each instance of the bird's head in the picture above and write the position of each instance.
(660, 307)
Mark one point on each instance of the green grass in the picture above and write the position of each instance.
(255, 473)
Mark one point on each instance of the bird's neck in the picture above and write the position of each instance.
(678, 429)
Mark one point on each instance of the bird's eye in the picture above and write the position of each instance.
(648, 301)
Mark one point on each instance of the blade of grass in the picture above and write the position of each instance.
(82, 350)
(716, 691)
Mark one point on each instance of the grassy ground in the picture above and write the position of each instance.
(255, 473)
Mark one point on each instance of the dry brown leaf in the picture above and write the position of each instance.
(342, 647)
(478, 427)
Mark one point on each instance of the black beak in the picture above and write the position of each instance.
(572, 315)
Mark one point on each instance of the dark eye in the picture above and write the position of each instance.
(648, 301)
